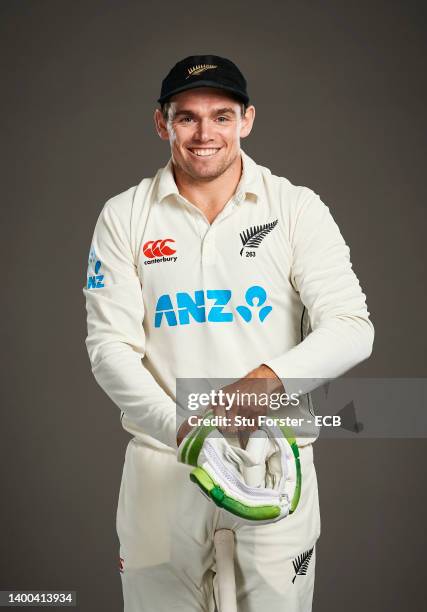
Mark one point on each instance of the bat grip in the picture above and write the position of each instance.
(224, 552)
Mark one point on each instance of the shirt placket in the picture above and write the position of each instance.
(209, 250)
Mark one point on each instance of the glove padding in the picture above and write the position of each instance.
(225, 473)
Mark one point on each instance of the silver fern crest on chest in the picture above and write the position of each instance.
(252, 237)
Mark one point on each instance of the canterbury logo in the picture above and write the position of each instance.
(157, 248)
(252, 237)
(199, 69)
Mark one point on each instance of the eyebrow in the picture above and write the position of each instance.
(217, 111)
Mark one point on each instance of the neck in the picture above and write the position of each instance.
(209, 196)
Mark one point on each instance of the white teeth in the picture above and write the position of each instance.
(204, 152)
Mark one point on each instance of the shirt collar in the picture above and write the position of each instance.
(250, 181)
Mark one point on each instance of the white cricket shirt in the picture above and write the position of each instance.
(170, 296)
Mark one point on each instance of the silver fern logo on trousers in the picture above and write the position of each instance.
(301, 562)
(252, 237)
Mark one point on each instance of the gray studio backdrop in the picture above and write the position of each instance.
(340, 94)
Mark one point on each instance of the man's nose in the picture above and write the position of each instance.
(204, 130)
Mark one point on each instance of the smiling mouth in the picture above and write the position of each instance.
(204, 152)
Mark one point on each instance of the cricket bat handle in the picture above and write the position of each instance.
(224, 551)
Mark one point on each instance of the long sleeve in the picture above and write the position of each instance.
(116, 339)
(342, 334)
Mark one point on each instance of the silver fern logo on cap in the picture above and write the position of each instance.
(194, 70)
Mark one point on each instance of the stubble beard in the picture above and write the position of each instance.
(212, 173)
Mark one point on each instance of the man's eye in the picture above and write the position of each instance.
(222, 119)
(186, 119)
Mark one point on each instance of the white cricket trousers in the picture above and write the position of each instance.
(166, 527)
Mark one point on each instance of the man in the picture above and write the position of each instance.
(209, 270)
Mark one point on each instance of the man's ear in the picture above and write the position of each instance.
(247, 121)
(160, 123)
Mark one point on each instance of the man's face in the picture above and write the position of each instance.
(204, 130)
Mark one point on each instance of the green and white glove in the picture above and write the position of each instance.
(225, 473)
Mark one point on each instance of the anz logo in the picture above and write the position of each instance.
(210, 306)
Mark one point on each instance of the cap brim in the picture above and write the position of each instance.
(204, 83)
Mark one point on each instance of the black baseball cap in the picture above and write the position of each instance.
(204, 71)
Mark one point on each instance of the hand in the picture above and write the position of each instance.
(260, 380)
(256, 385)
